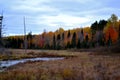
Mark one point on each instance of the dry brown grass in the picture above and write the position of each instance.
(83, 67)
(13, 54)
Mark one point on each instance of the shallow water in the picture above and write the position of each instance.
(9, 63)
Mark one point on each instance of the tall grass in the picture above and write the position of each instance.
(14, 55)
(83, 67)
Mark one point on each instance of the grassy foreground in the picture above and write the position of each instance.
(85, 66)
(14, 54)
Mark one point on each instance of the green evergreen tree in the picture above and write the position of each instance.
(78, 44)
(54, 42)
(29, 40)
(73, 45)
(58, 37)
(86, 41)
(68, 36)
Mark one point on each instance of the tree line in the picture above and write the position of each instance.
(100, 33)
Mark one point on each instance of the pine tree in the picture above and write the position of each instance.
(54, 42)
(58, 37)
(68, 36)
(78, 44)
(86, 41)
(74, 40)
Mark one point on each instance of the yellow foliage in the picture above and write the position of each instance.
(87, 30)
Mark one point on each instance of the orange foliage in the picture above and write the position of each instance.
(41, 42)
(112, 33)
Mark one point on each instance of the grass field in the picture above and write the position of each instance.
(14, 54)
(84, 66)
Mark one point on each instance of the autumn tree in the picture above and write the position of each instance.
(119, 31)
(111, 29)
(100, 32)
(62, 36)
(50, 38)
(61, 30)
(113, 19)
(74, 40)
(68, 45)
(41, 41)
(119, 35)
(112, 34)
(109, 41)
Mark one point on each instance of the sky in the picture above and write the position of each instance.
(51, 15)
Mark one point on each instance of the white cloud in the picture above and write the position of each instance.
(80, 1)
(100, 10)
(52, 14)
(85, 1)
(34, 8)
(31, 2)
(61, 19)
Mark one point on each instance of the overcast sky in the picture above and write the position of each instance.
(53, 14)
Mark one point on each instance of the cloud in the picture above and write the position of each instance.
(30, 2)
(85, 1)
(52, 14)
(32, 6)
(62, 19)
(34, 9)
